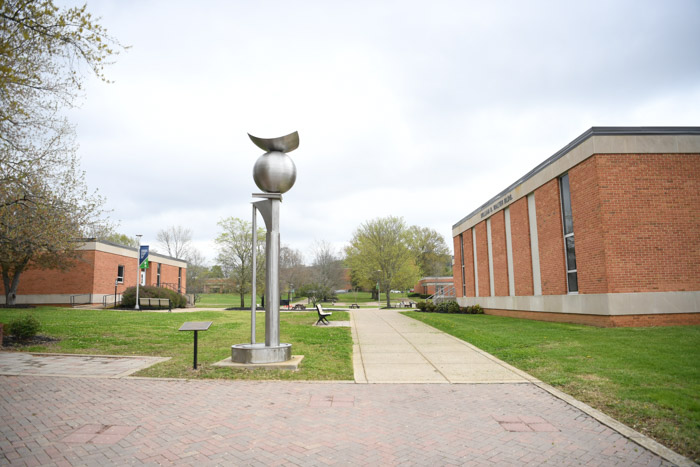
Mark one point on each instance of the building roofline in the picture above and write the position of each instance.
(593, 131)
(126, 247)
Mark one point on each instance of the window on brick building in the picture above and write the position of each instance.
(120, 274)
(568, 222)
(179, 280)
(158, 276)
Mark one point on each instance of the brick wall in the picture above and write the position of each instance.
(469, 263)
(482, 257)
(457, 266)
(499, 253)
(427, 286)
(589, 229)
(522, 254)
(76, 280)
(106, 265)
(650, 207)
(671, 319)
(550, 236)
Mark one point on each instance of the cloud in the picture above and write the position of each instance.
(419, 110)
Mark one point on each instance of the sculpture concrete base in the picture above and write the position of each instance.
(289, 365)
(260, 353)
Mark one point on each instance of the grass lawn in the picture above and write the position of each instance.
(222, 300)
(327, 351)
(648, 378)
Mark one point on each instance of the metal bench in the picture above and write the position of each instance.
(153, 302)
(322, 315)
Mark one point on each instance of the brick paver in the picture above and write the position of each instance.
(41, 364)
(99, 421)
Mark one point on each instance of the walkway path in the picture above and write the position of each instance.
(392, 348)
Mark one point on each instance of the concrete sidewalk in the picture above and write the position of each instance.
(392, 348)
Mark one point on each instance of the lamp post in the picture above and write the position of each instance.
(138, 270)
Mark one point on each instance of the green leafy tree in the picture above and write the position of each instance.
(215, 272)
(235, 245)
(430, 251)
(380, 252)
(121, 239)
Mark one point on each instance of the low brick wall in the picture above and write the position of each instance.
(671, 319)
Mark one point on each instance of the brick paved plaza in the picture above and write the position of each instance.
(95, 421)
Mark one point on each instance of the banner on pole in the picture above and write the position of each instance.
(143, 257)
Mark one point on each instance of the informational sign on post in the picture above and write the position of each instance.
(143, 257)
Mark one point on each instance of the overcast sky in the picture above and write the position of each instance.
(423, 110)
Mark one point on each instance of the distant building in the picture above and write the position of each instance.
(605, 232)
(433, 285)
(92, 279)
(217, 285)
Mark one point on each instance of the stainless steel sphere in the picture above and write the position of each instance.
(274, 172)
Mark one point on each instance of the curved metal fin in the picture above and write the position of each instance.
(282, 144)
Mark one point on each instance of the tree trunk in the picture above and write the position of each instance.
(242, 300)
(12, 284)
(388, 298)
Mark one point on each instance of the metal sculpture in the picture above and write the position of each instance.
(274, 173)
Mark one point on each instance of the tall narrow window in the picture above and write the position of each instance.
(120, 274)
(568, 221)
(179, 280)
(461, 253)
(158, 276)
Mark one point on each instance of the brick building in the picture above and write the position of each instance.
(432, 285)
(92, 278)
(604, 232)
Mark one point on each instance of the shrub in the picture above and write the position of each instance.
(453, 307)
(129, 296)
(430, 307)
(473, 310)
(24, 328)
(421, 306)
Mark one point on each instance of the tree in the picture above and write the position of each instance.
(120, 239)
(197, 274)
(176, 240)
(44, 203)
(235, 254)
(380, 252)
(41, 218)
(293, 272)
(216, 272)
(43, 50)
(326, 271)
(430, 251)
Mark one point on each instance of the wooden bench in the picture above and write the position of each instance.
(152, 302)
(322, 315)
